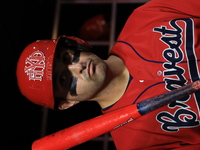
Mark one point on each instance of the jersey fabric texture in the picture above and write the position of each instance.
(160, 45)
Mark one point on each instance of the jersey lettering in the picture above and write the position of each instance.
(174, 74)
(182, 118)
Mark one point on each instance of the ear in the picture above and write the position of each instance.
(67, 104)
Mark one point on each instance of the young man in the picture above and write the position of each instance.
(157, 51)
(72, 75)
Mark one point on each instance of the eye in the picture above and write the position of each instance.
(62, 80)
(66, 58)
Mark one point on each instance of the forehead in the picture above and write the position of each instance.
(59, 50)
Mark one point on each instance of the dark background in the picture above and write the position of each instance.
(21, 23)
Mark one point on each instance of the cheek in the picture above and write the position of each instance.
(86, 91)
(85, 88)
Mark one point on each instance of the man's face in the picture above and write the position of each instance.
(78, 75)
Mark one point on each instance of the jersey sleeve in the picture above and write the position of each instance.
(187, 7)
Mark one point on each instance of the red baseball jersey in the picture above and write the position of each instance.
(160, 45)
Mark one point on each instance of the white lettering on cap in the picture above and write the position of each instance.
(35, 65)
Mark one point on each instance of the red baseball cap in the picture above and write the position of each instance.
(34, 72)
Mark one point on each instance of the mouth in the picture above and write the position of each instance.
(90, 68)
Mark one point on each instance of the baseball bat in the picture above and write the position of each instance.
(87, 130)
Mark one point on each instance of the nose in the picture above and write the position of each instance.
(76, 68)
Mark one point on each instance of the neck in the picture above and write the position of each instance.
(117, 80)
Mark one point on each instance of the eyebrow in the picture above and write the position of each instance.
(76, 56)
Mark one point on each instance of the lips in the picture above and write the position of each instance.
(90, 68)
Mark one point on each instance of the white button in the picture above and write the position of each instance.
(159, 73)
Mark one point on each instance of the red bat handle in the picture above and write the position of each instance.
(97, 126)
